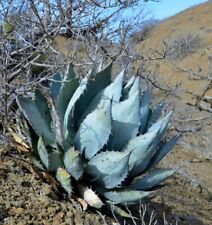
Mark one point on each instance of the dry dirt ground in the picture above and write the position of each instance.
(27, 200)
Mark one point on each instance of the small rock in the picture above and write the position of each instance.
(69, 221)
(45, 200)
(51, 210)
(59, 216)
(47, 191)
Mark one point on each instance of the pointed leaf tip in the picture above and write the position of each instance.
(156, 113)
(73, 163)
(141, 151)
(163, 151)
(67, 90)
(38, 115)
(127, 197)
(152, 179)
(43, 153)
(144, 111)
(135, 87)
(126, 121)
(65, 180)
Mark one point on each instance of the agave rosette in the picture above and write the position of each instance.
(99, 133)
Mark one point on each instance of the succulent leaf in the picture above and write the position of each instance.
(152, 179)
(126, 120)
(52, 160)
(36, 162)
(32, 138)
(55, 85)
(73, 163)
(43, 152)
(97, 82)
(90, 197)
(144, 111)
(68, 88)
(94, 131)
(109, 168)
(115, 88)
(55, 160)
(65, 180)
(85, 87)
(126, 197)
(68, 123)
(164, 124)
(111, 92)
(38, 115)
(143, 162)
(135, 87)
(127, 87)
(156, 113)
(163, 151)
(139, 148)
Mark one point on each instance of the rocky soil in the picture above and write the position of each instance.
(27, 200)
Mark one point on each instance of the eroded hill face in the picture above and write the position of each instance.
(181, 47)
(186, 40)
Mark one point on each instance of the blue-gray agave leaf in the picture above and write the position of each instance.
(68, 87)
(135, 87)
(32, 138)
(68, 118)
(144, 110)
(95, 130)
(43, 153)
(51, 160)
(163, 151)
(36, 162)
(65, 180)
(126, 121)
(141, 151)
(55, 85)
(97, 82)
(109, 169)
(111, 92)
(81, 92)
(38, 115)
(127, 87)
(126, 197)
(55, 160)
(152, 179)
(73, 163)
(164, 124)
(156, 113)
(141, 165)
(115, 88)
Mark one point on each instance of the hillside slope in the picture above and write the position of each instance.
(181, 51)
(187, 40)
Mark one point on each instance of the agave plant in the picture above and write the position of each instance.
(99, 134)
